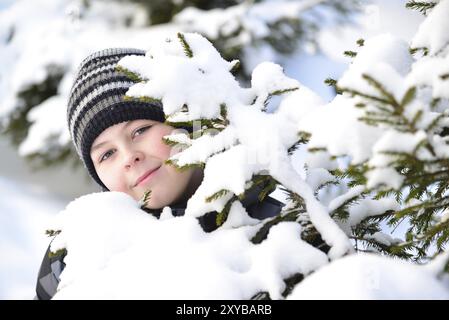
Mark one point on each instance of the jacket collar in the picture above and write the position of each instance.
(251, 197)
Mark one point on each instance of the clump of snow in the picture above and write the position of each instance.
(384, 58)
(177, 79)
(115, 250)
(370, 277)
(44, 126)
(430, 71)
(438, 264)
(337, 128)
(432, 33)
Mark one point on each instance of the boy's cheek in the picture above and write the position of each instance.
(115, 184)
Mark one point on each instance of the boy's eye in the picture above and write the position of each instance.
(140, 131)
(106, 155)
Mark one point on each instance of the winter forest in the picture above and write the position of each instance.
(338, 109)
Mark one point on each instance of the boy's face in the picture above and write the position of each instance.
(129, 157)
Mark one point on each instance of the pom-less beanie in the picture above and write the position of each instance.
(97, 102)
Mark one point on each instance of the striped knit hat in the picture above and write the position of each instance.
(96, 102)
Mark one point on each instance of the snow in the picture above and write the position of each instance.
(438, 264)
(339, 201)
(177, 79)
(225, 264)
(370, 277)
(254, 19)
(432, 33)
(393, 141)
(388, 177)
(384, 58)
(429, 72)
(44, 126)
(267, 78)
(202, 81)
(370, 208)
(382, 238)
(336, 127)
(170, 258)
(376, 17)
(109, 231)
(25, 212)
(318, 177)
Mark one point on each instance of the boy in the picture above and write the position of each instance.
(120, 143)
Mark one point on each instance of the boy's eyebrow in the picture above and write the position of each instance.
(95, 147)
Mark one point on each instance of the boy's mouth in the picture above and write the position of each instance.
(146, 176)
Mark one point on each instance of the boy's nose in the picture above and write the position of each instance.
(132, 158)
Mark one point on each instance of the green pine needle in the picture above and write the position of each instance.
(52, 233)
(58, 253)
(350, 54)
(217, 195)
(145, 198)
(235, 65)
(187, 50)
(282, 91)
(330, 82)
(421, 6)
(132, 75)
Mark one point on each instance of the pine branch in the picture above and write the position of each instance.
(187, 50)
(350, 54)
(341, 212)
(52, 233)
(60, 252)
(408, 96)
(217, 195)
(145, 198)
(363, 95)
(222, 216)
(303, 138)
(282, 91)
(184, 167)
(131, 75)
(421, 6)
(330, 82)
(262, 234)
(235, 65)
(149, 100)
(389, 97)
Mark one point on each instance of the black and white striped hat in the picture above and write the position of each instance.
(97, 102)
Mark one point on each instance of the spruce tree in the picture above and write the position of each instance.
(405, 177)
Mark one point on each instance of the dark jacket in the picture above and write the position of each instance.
(52, 266)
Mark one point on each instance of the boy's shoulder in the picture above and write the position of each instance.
(49, 273)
